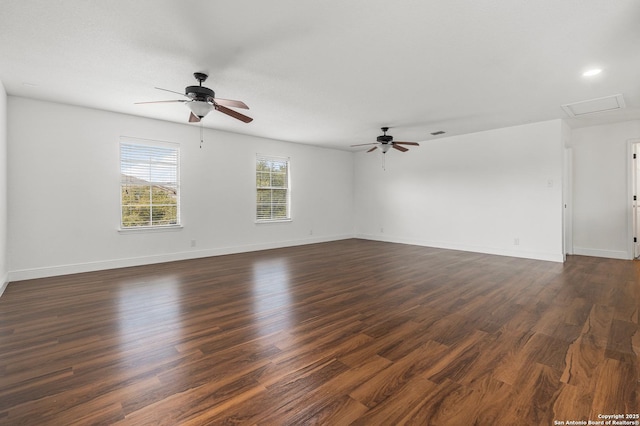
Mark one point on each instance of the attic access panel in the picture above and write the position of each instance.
(592, 106)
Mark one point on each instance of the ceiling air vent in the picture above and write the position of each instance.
(608, 103)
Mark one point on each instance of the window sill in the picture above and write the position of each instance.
(273, 221)
(145, 229)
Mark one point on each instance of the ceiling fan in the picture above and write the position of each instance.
(385, 142)
(201, 100)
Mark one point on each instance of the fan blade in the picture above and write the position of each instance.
(172, 91)
(230, 103)
(193, 118)
(363, 144)
(400, 148)
(160, 102)
(233, 114)
(408, 143)
(373, 149)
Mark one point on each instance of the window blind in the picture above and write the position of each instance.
(149, 185)
(272, 188)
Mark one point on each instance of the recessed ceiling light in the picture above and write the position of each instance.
(592, 72)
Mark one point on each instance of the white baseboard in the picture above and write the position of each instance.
(551, 257)
(4, 282)
(52, 271)
(611, 254)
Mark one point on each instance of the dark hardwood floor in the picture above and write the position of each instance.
(347, 332)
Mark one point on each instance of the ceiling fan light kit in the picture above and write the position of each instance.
(200, 108)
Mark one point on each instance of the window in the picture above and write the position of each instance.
(272, 189)
(149, 185)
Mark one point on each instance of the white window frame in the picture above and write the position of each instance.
(159, 145)
(287, 160)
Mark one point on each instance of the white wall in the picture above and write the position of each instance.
(3, 189)
(478, 192)
(600, 189)
(59, 192)
(64, 195)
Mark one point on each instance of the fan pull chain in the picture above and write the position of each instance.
(201, 135)
(384, 162)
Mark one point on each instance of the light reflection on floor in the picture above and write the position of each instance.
(272, 293)
(146, 307)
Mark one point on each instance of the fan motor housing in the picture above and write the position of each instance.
(199, 93)
(384, 138)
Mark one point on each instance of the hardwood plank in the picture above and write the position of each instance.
(619, 344)
(393, 410)
(613, 391)
(533, 395)
(321, 404)
(388, 381)
(583, 357)
(573, 402)
(282, 397)
(346, 332)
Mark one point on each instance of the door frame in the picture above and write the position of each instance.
(567, 203)
(633, 146)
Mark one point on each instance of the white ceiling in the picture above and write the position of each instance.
(330, 72)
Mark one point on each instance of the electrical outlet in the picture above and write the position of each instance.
(516, 241)
(310, 231)
(381, 230)
(193, 243)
